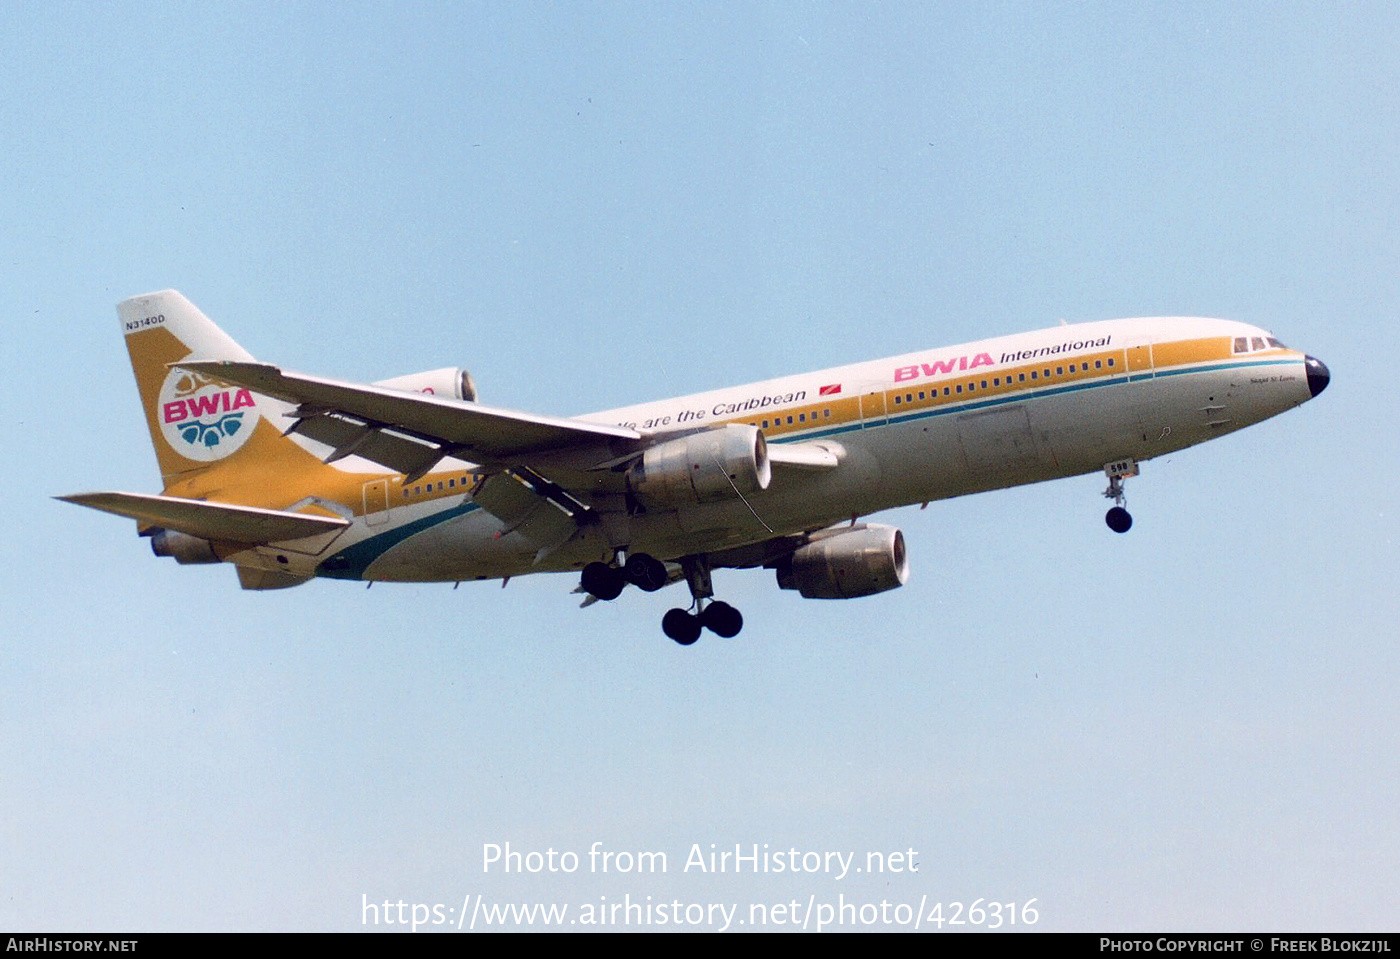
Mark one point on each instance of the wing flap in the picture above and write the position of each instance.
(403, 454)
(212, 521)
(524, 510)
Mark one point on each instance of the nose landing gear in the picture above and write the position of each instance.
(1118, 518)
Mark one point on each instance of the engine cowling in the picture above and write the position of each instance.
(451, 382)
(182, 547)
(856, 561)
(703, 467)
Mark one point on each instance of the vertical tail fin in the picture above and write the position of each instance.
(197, 423)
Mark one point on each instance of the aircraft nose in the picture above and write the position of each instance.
(1318, 376)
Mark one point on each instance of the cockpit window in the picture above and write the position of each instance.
(1248, 344)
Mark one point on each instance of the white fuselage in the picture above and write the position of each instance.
(909, 429)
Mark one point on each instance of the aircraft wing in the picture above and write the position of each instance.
(213, 521)
(410, 432)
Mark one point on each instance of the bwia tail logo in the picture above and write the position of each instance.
(204, 419)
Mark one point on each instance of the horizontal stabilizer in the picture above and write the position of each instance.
(212, 521)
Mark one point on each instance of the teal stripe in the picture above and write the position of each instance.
(351, 562)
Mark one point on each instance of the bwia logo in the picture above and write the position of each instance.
(203, 419)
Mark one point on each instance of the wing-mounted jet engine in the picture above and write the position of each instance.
(703, 467)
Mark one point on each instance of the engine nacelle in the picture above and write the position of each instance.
(451, 382)
(856, 561)
(704, 467)
(182, 547)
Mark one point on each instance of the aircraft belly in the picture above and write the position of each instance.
(441, 543)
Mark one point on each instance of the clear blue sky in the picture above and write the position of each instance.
(589, 205)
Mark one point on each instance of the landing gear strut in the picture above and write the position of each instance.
(718, 617)
(1118, 518)
(606, 581)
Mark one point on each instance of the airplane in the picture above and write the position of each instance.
(289, 476)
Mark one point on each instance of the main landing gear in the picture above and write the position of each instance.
(607, 582)
(1118, 518)
(718, 617)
